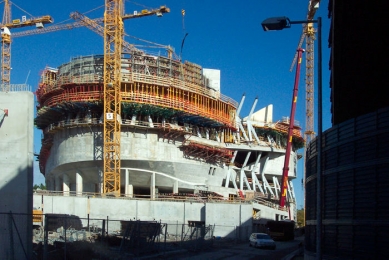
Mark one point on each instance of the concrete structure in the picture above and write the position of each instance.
(228, 218)
(355, 181)
(178, 133)
(16, 176)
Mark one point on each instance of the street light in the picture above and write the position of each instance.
(279, 23)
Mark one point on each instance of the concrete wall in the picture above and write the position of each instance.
(230, 220)
(227, 218)
(16, 174)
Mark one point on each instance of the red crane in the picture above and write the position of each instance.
(284, 182)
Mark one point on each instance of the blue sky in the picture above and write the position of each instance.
(225, 35)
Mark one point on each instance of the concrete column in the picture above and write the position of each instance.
(65, 184)
(175, 187)
(126, 181)
(57, 183)
(129, 189)
(78, 184)
(152, 186)
(101, 180)
(49, 184)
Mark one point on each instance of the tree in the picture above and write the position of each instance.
(300, 218)
(40, 186)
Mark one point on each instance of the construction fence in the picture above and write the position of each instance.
(62, 236)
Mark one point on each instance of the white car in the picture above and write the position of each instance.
(262, 240)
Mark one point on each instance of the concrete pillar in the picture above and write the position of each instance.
(150, 122)
(126, 181)
(57, 183)
(65, 184)
(49, 184)
(175, 187)
(129, 189)
(101, 180)
(79, 184)
(152, 186)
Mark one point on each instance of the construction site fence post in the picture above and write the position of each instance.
(176, 231)
(164, 242)
(103, 230)
(65, 238)
(107, 225)
(45, 239)
(11, 239)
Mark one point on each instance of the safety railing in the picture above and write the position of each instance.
(62, 81)
(177, 103)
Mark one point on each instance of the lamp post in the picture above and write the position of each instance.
(279, 23)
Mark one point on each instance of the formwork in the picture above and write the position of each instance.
(172, 121)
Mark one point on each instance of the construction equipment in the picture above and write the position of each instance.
(6, 25)
(53, 28)
(113, 40)
(113, 37)
(37, 222)
(308, 34)
(113, 33)
(94, 26)
(285, 172)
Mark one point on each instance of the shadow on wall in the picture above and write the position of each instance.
(16, 212)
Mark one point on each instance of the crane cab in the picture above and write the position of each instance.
(5, 31)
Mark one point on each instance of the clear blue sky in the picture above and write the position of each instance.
(225, 35)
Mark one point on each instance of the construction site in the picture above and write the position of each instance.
(140, 148)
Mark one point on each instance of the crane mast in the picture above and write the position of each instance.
(6, 48)
(114, 43)
(309, 82)
(308, 35)
(113, 38)
(7, 24)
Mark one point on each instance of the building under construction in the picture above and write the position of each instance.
(179, 134)
(180, 139)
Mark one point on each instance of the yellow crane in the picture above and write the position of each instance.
(127, 47)
(53, 28)
(97, 28)
(308, 35)
(6, 25)
(113, 38)
(113, 33)
(113, 41)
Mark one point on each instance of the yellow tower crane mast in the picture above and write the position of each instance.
(6, 25)
(308, 35)
(113, 41)
(113, 38)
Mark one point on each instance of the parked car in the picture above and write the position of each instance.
(262, 240)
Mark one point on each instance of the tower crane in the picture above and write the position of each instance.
(113, 33)
(308, 34)
(6, 25)
(113, 38)
(53, 28)
(94, 26)
(113, 41)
